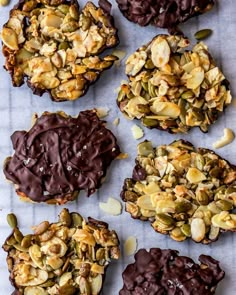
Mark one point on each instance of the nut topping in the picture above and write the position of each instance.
(56, 46)
(171, 88)
(72, 260)
(183, 191)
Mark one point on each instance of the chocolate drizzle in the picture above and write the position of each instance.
(163, 13)
(163, 272)
(60, 155)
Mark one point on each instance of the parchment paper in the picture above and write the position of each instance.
(18, 104)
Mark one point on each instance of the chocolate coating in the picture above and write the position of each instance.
(163, 13)
(61, 155)
(163, 272)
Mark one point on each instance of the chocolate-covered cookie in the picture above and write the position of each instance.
(59, 156)
(70, 256)
(173, 89)
(164, 272)
(163, 13)
(56, 47)
(183, 191)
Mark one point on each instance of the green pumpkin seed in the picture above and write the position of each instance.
(186, 230)
(26, 241)
(85, 22)
(63, 45)
(65, 217)
(131, 196)
(216, 172)
(149, 122)
(149, 64)
(74, 12)
(182, 207)
(18, 235)
(77, 219)
(12, 220)
(165, 219)
(203, 34)
(202, 198)
(224, 205)
(11, 241)
(63, 8)
(145, 149)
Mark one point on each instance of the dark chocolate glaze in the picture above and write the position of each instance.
(162, 13)
(163, 272)
(59, 156)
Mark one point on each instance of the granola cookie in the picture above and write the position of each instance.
(184, 192)
(55, 47)
(173, 89)
(68, 257)
(59, 156)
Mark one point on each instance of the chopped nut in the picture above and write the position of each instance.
(226, 139)
(112, 207)
(130, 246)
(137, 132)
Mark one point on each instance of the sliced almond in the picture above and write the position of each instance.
(102, 112)
(116, 122)
(196, 79)
(112, 207)
(34, 291)
(198, 229)
(194, 175)
(160, 52)
(137, 132)
(9, 38)
(130, 246)
(144, 202)
(226, 139)
(165, 109)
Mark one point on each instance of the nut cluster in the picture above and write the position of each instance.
(173, 89)
(184, 192)
(57, 47)
(163, 272)
(67, 257)
(163, 13)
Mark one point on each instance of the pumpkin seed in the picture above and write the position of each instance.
(203, 34)
(71, 260)
(12, 220)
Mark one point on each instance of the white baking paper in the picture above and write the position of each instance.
(18, 104)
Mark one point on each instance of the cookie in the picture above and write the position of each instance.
(173, 89)
(55, 47)
(164, 272)
(183, 191)
(163, 13)
(59, 156)
(70, 256)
